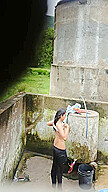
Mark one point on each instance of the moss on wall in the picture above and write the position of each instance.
(35, 144)
(80, 152)
(8, 176)
(102, 157)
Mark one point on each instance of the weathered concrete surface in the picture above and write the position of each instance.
(39, 168)
(80, 50)
(80, 146)
(28, 112)
(39, 171)
(51, 104)
(12, 131)
(72, 81)
(103, 136)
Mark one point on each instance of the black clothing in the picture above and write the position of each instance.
(59, 158)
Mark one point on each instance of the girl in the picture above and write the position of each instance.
(59, 148)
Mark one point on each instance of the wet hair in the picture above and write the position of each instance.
(58, 115)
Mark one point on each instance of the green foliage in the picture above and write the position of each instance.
(38, 71)
(34, 80)
(44, 55)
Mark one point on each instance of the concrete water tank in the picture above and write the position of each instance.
(80, 145)
(80, 62)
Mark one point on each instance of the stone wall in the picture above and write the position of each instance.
(12, 134)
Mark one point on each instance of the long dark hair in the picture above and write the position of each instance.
(58, 115)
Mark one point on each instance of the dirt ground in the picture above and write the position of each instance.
(38, 168)
(102, 181)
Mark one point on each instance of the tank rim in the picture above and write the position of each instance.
(65, 1)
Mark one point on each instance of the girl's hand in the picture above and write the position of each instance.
(50, 123)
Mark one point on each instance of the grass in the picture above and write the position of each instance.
(34, 80)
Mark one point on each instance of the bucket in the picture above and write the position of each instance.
(85, 175)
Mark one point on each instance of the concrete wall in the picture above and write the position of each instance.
(80, 50)
(12, 135)
(71, 81)
(42, 108)
(25, 113)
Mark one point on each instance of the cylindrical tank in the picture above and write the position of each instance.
(80, 50)
(80, 145)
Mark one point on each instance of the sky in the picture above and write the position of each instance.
(51, 6)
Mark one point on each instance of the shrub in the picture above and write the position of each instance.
(44, 55)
